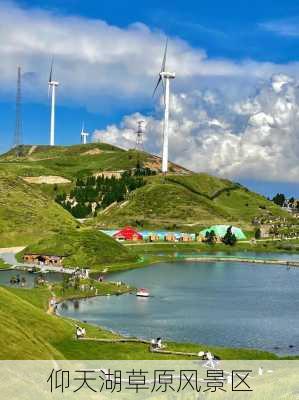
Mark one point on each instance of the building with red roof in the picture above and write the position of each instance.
(128, 233)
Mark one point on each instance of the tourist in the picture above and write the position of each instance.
(211, 360)
(159, 343)
(201, 354)
(153, 344)
(13, 280)
(80, 332)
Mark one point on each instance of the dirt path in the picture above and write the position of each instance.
(32, 149)
(13, 250)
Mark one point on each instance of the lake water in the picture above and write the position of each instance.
(6, 275)
(220, 303)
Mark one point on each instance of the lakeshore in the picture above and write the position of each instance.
(250, 311)
(152, 259)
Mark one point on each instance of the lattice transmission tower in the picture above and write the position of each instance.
(139, 143)
(17, 143)
(139, 136)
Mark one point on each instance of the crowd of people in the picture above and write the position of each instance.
(16, 280)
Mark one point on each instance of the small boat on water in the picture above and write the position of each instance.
(32, 270)
(142, 292)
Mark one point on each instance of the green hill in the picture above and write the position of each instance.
(74, 161)
(82, 248)
(190, 202)
(182, 200)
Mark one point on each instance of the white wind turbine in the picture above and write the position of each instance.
(164, 78)
(84, 135)
(52, 84)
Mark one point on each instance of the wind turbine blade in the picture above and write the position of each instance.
(157, 85)
(51, 71)
(164, 57)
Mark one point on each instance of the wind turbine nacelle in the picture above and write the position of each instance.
(167, 75)
(53, 83)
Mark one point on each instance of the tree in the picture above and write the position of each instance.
(210, 237)
(258, 233)
(229, 238)
(77, 282)
(279, 199)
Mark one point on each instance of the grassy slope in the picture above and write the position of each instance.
(33, 334)
(83, 248)
(4, 265)
(27, 214)
(185, 200)
(24, 329)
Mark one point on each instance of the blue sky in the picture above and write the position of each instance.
(230, 28)
(233, 39)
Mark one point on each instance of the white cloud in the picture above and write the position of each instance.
(284, 27)
(105, 66)
(262, 145)
(226, 118)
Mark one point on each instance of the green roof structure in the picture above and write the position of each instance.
(220, 230)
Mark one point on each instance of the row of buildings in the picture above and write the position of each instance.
(131, 234)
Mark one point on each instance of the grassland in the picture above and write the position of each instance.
(190, 202)
(34, 334)
(27, 214)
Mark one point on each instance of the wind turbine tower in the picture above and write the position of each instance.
(164, 78)
(52, 85)
(84, 135)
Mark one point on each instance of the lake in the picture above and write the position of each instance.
(219, 303)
